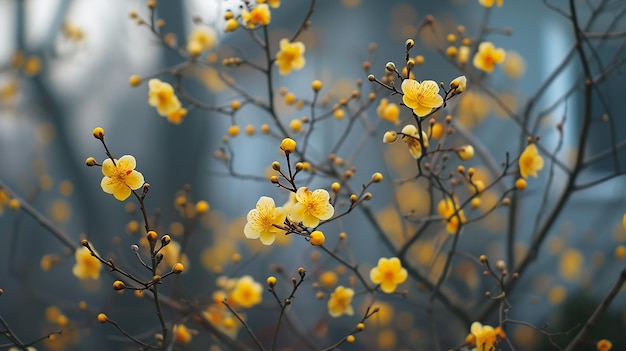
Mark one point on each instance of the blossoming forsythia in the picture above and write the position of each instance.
(312, 206)
(488, 56)
(161, 96)
(340, 302)
(421, 97)
(263, 219)
(530, 162)
(388, 273)
(120, 177)
(290, 57)
(87, 266)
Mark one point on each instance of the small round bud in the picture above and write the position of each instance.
(409, 43)
(274, 179)
(134, 80)
(500, 265)
(390, 66)
(235, 105)
(360, 326)
(353, 198)
(202, 207)
(506, 201)
(233, 130)
(165, 240)
(151, 4)
(350, 339)
(288, 145)
(301, 271)
(465, 152)
(276, 166)
(90, 161)
(98, 133)
(475, 203)
(152, 236)
(390, 137)
(343, 236)
(520, 184)
(178, 268)
(102, 318)
(317, 238)
(118, 285)
(299, 166)
(335, 187)
(316, 85)
(156, 278)
(377, 177)
(371, 77)
(483, 258)
(271, 281)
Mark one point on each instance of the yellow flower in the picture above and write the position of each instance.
(412, 141)
(458, 84)
(488, 56)
(5, 198)
(182, 335)
(87, 266)
(177, 116)
(246, 292)
(421, 97)
(203, 38)
(290, 56)
(389, 112)
(161, 95)
(258, 16)
(263, 219)
(388, 273)
(530, 162)
(120, 177)
(340, 302)
(604, 345)
(446, 209)
(484, 335)
(311, 207)
(489, 3)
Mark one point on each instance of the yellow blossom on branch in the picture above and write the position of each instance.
(263, 219)
(202, 38)
(421, 97)
(488, 56)
(340, 302)
(489, 3)
(260, 15)
(182, 335)
(388, 273)
(485, 337)
(389, 112)
(87, 266)
(530, 162)
(311, 207)
(290, 57)
(412, 140)
(120, 177)
(447, 209)
(161, 96)
(246, 292)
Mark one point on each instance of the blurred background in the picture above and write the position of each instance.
(64, 69)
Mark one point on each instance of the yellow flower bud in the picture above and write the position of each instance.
(390, 137)
(350, 339)
(152, 236)
(466, 152)
(360, 326)
(178, 268)
(296, 125)
(98, 133)
(335, 187)
(377, 177)
(317, 238)
(458, 84)
(271, 281)
(520, 184)
(231, 24)
(90, 161)
(233, 130)
(102, 318)
(288, 145)
(316, 85)
(118, 285)
(202, 207)
(14, 204)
